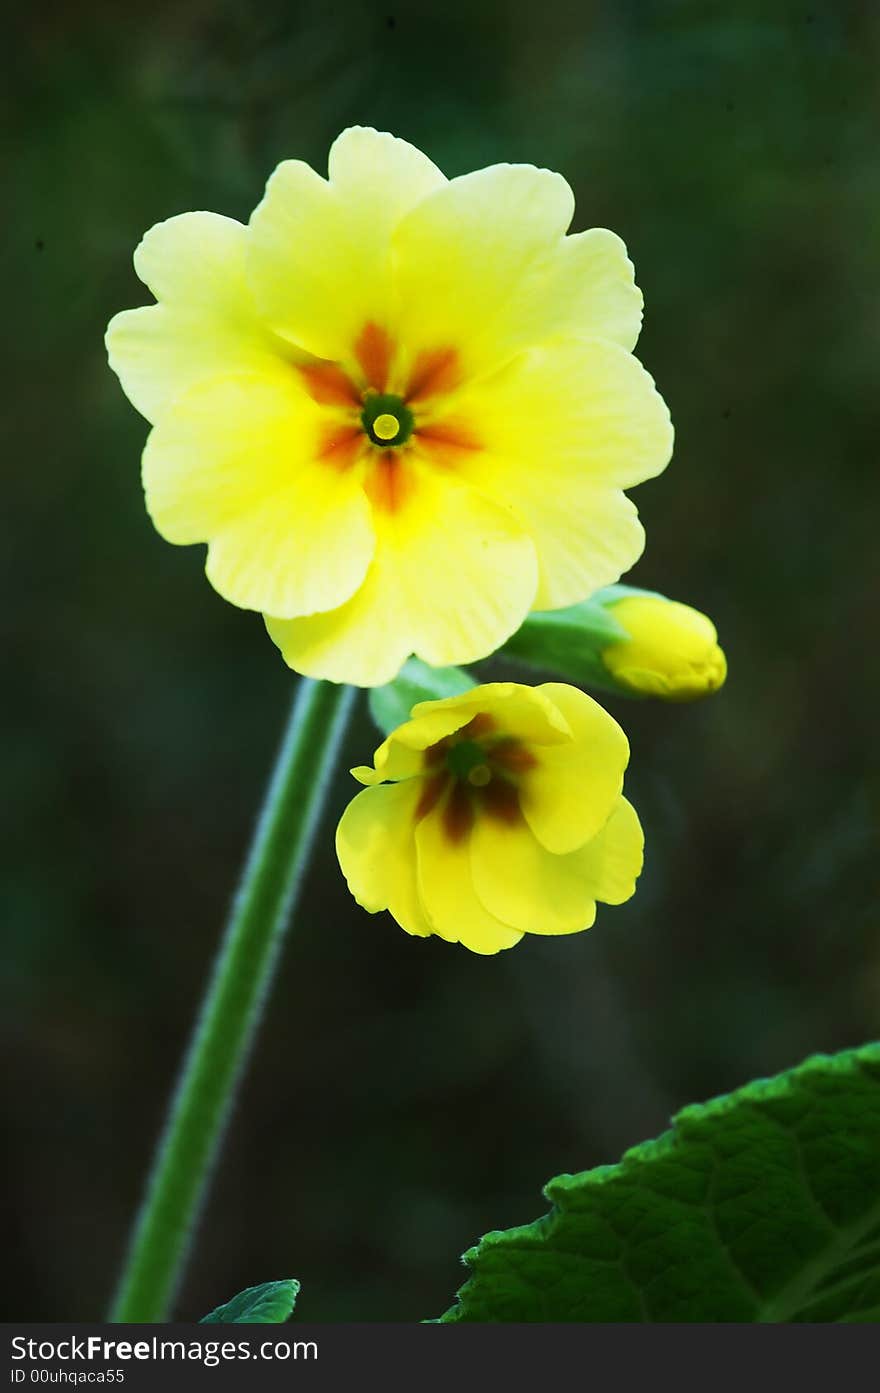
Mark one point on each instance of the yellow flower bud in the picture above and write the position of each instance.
(672, 650)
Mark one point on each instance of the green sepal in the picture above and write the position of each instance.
(569, 642)
(762, 1205)
(270, 1303)
(390, 705)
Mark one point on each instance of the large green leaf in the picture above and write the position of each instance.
(271, 1303)
(763, 1205)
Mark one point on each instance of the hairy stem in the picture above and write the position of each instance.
(233, 1003)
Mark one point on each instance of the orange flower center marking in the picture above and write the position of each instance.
(374, 351)
(388, 482)
(434, 371)
(328, 385)
(340, 445)
(374, 413)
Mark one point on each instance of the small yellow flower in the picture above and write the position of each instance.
(672, 650)
(493, 814)
(400, 409)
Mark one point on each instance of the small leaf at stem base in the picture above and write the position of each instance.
(270, 1303)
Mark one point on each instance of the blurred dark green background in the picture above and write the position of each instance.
(406, 1096)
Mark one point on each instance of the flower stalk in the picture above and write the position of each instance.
(234, 1002)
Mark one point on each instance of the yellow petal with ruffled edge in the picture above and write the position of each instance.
(382, 177)
(568, 795)
(463, 251)
(319, 252)
(446, 889)
(583, 285)
(375, 843)
(205, 324)
(586, 537)
(233, 464)
(563, 429)
(309, 281)
(524, 884)
(584, 406)
(402, 754)
(611, 863)
(452, 577)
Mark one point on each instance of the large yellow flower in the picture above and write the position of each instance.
(400, 409)
(494, 814)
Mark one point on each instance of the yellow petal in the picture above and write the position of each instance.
(375, 843)
(572, 409)
(452, 577)
(462, 252)
(402, 754)
(381, 175)
(304, 550)
(585, 536)
(565, 428)
(516, 710)
(309, 278)
(319, 254)
(206, 323)
(569, 794)
(523, 884)
(446, 890)
(232, 464)
(584, 543)
(195, 259)
(611, 863)
(525, 713)
(584, 286)
(390, 762)
(229, 444)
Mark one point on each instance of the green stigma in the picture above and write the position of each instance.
(467, 760)
(387, 419)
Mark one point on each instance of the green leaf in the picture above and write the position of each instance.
(390, 705)
(763, 1205)
(271, 1303)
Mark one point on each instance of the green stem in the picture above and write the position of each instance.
(233, 1002)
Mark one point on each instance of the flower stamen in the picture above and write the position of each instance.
(386, 426)
(387, 419)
